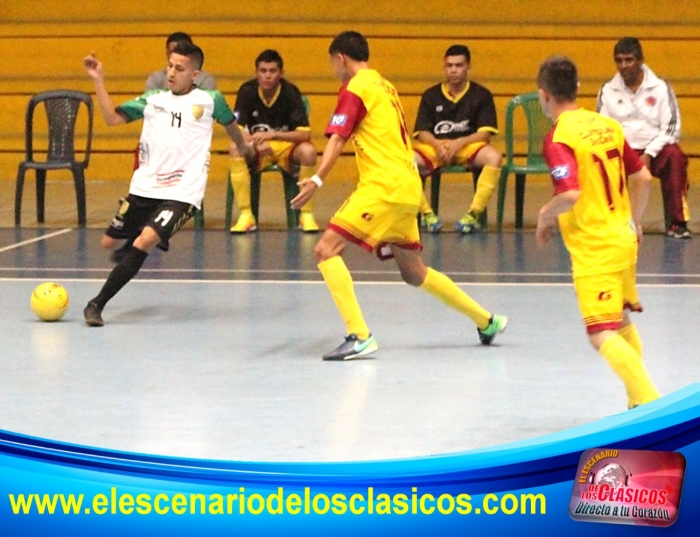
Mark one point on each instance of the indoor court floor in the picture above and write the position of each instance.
(214, 350)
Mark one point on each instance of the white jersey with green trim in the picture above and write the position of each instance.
(175, 142)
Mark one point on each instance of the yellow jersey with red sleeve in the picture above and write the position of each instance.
(370, 113)
(588, 152)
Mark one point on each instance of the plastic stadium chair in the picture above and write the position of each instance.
(538, 125)
(62, 107)
(435, 178)
(290, 188)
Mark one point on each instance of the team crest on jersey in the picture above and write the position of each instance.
(339, 120)
(367, 216)
(197, 111)
(560, 172)
(651, 100)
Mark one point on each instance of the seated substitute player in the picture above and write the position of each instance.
(170, 181)
(272, 111)
(601, 188)
(455, 122)
(380, 215)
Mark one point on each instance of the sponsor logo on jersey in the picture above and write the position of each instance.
(260, 127)
(338, 120)
(169, 178)
(446, 127)
(560, 172)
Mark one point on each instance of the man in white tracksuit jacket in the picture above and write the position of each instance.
(647, 108)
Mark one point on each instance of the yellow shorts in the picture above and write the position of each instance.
(373, 224)
(603, 297)
(464, 157)
(281, 155)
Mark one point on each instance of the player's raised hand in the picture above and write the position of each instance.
(93, 66)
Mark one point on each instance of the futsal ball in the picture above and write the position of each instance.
(50, 301)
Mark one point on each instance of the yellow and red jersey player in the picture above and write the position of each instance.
(380, 215)
(383, 208)
(601, 188)
(587, 153)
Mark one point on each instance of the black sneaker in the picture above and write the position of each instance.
(678, 231)
(93, 315)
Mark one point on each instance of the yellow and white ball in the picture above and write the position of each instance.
(50, 301)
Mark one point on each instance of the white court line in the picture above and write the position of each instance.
(300, 271)
(36, 239)
(321, 282)
(274, 271)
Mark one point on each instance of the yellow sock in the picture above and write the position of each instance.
(425, 207)
(305, 172)
(488, 179)
(627, 364)
(339, 282)
(240, 181)
(443, 288)
(632, 337)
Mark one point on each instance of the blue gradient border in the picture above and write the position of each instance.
(544, 465)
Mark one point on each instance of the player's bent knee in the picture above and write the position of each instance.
(491, 156)
(412, 279)
(233, 151)
(147, 240)
(325, 249)
(306, 154)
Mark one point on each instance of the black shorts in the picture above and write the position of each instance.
(137, 212)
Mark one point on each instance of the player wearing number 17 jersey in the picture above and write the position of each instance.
(601, 188)
(380, 215)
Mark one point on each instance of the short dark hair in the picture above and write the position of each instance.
(629, 45)
(178, 36)
(459, 50)
(351, 44)
(192, 51)
(559, 77)
(268, 56)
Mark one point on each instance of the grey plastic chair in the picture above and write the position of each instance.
(62, 108)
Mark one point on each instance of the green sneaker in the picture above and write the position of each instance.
(497, 324)
(352, 348)
(469, 223)
(430, 222)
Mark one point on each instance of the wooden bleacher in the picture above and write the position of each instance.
(508, 40)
